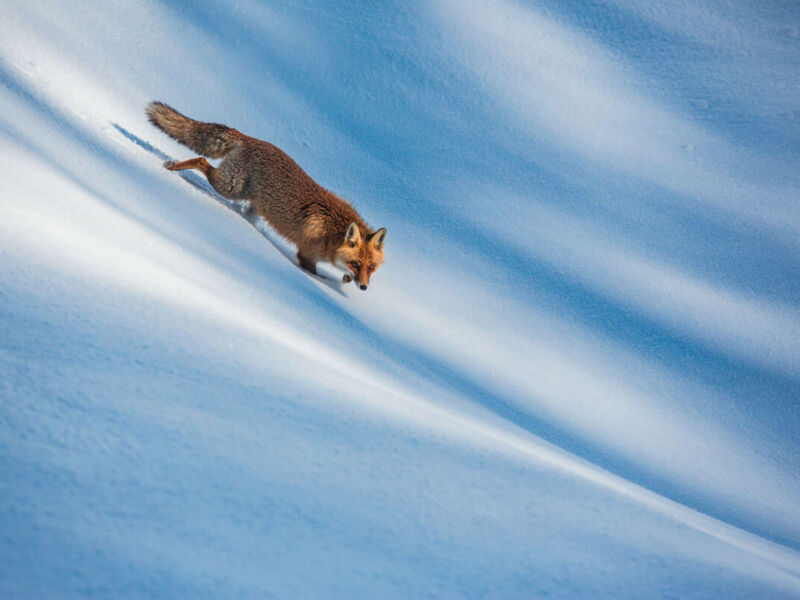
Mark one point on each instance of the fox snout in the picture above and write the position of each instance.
(361, 274)
(348, 278)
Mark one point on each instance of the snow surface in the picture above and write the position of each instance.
(576, 375)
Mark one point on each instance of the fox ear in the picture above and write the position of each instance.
(353, 235)
(378, 238)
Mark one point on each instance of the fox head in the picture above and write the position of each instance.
(361, 254)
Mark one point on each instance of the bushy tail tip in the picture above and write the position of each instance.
(209, 139)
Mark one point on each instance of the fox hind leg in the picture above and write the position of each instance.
(199, 163)
(229, 179)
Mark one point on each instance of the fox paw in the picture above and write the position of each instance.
(347, 278)
(169, 164)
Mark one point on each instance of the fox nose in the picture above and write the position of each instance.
(363, 287)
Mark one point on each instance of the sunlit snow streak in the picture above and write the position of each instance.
(743, 325)
(568, 89)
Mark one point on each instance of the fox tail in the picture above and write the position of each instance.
(208, 139)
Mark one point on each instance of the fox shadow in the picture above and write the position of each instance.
(243, 209)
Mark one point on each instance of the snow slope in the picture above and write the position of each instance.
(577, 374)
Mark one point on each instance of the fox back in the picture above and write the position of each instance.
(322, 225)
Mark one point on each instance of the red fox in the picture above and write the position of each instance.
(322, 225)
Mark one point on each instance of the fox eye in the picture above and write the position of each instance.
(371, 268)
(355, 265)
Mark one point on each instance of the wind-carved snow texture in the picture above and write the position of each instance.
(576, 375)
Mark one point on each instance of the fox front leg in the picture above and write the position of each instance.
(307, 264)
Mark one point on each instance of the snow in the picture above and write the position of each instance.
(576, 375)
